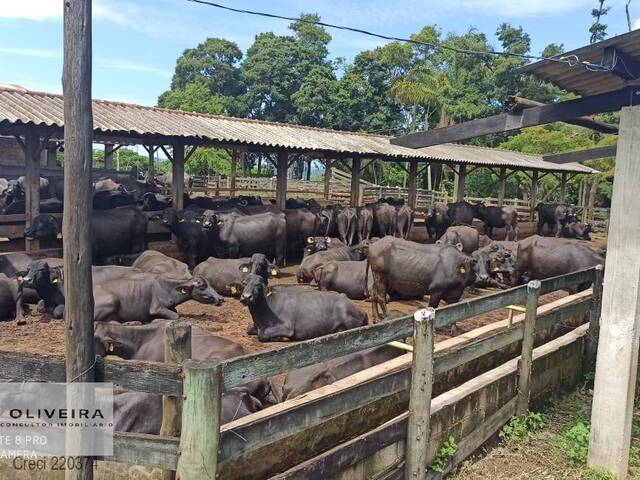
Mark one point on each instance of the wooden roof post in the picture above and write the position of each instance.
(52, 150)
(502, 183)
(108, 156)
(617, 360)
(355, 180)
(563, 187)
(281, 178)
(76, 225)
(327, 178)
(235, 153)
(32, 151)
(152, 166)
(412, 185)
(178, 176)
(533, 198)
(460, 179)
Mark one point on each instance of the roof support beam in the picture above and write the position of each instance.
(502, 181)
(177, 174)
(515, 104)
(620, 64)
(529, 117)
(582, 155)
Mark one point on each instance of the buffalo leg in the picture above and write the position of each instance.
(558, 229)
(378, 297)
(162, 312)
(540, 228)
(20, 309)
(275, 332)
(434, 300)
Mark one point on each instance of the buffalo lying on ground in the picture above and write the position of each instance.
(440, 271)
(291, 313)
(466, 236)
(117, 231)
(319, 244)
(225, 274)
(11, 306)
(346, 277)
(309, 263)
(152, 261)
(578, 230)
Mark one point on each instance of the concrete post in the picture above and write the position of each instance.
(534, 195)
(281, 179)
(563, 187)
(355, 181)
(108, 156)
(32, 184)
(51, 156)
(327, 178)
(459, 183)
(235, 153)
(178, 176)
(152, 165)
(617, 361)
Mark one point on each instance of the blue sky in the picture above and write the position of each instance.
(136, 42)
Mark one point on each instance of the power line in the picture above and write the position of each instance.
(387, 37)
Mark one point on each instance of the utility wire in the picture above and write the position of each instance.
(569, 61)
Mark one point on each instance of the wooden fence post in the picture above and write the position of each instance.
(198, 459)
(177, 349)
(591, 347)
(418, 428)
(526, 358)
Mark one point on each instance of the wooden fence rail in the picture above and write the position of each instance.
(201, 438)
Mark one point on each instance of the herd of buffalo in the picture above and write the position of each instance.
(235, 247)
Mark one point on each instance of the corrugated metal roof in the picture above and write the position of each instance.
(24, 107)
(578, 79)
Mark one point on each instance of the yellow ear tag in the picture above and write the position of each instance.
(462, 270)
(245, 269)
(20, 278)
(496, 269)
(234, 290)
(59, 236)
(274, 272)
(111, 349)
(184, 291)
(197, 221)
(269, 293)
(55, 280)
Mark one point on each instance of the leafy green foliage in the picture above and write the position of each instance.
(575, 443)
(516, 429)
(445, 453)
(205, 161)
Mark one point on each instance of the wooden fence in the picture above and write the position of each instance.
(196, 387)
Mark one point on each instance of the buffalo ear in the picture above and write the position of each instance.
(459, 246)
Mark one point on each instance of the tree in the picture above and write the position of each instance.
(597, 29)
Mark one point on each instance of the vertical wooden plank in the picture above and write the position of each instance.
(200, 421)
(177, 349)
(281, 178)
(563, 187)
(462, 175)
(178, 175)
(591, 347)
(108, 156)
(235, 153)
(32, 184)
(412, 185)
(502, 184)
(526, 357)
(418, 428)
(533, 199)
(617, 360)
(355, 180)
(76, 225)
(327, 178)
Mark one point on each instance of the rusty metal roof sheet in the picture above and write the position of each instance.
(578, 78)
(19, 106)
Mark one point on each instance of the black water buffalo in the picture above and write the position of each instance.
(49, 205)
(404, 222)
(11, 306)
(40, 278)
(121, 230)
(555, 215)
(15, 190)
(327, 220)
(536, 261)
(234, 236)
(468, 237)
(437, 221)
(440, 271)
(498, 217)
(347, 224)
(346, 277)
(143, 297)
(395, 201)
(186, 226)
(225, 274)
(384, 219)
(12, 264)
(364, 223)
(500, 258)
(108, 199)
(291, 313)
(152, 261)
(301, 224)
(309, 378)
(319, 244)
(461, 213)
(310, 262)
(153, 202)
(578, 230)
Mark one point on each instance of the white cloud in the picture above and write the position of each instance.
(133, 67)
